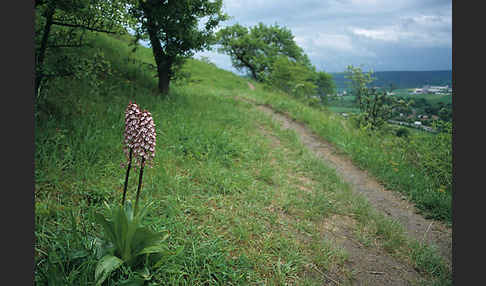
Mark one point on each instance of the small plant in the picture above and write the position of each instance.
(126, 239)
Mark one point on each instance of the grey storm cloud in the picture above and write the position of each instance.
(380, 34)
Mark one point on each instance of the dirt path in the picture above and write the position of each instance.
(373, 267)
(388, 202)
(368, 265)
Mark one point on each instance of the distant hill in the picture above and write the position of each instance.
(402, 79)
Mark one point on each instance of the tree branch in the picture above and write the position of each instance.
(69, 46)
(82, 27)
(53, 75)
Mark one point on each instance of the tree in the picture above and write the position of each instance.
(176, 30)
(376, 107)
(257, 48)
(325, 84)
(62, 24)
(291, 77)
(358, 82)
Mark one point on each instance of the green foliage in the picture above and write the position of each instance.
(126, 239)
(433, 154)
(255, 49)
(292, 77)
(62, 25)
(358, 82)
(403, 132)
(426, 258)
(176, 30)
(271, 56)
(325, 84)
(106, 265)
(376, 107)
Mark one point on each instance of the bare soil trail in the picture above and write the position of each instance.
(383, 269)
(390, 203)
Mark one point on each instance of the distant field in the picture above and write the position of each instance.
(402, 79)
(347, 102)
(341, 109)
(432, 98)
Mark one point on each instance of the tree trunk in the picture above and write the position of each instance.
(163, 72)
(249, 66)
(163, 62)
(42, 51)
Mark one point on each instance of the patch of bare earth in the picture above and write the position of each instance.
(368, 265)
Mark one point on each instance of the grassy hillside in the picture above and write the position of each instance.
(242, 201)
(419, 166)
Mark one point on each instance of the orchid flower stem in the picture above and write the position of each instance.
(142, 164)
(126, 177)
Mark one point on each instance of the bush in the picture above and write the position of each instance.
(403, 132)
(292, 77)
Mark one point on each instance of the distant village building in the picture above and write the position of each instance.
(418, 91)
(435, 89)
(428, 89)
(341, 93)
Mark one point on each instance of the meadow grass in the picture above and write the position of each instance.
(241, 199)
(383, 154)
(341, 109)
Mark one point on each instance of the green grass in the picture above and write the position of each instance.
(394, 161)
(342, 109)
(241, 199)
(433, 99)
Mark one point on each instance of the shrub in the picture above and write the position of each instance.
(402, 132)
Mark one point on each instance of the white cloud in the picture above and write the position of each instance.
(364, 2)
(335, 33)
(333, 41)
(386, 34)
(328, 43)
(416, 31)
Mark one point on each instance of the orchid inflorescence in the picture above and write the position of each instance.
(132, 114)
(144, 144)
(140, 137)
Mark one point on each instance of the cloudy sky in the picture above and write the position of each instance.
(382, 35)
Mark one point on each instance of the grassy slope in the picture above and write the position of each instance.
(383, 155)
(241, 206)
